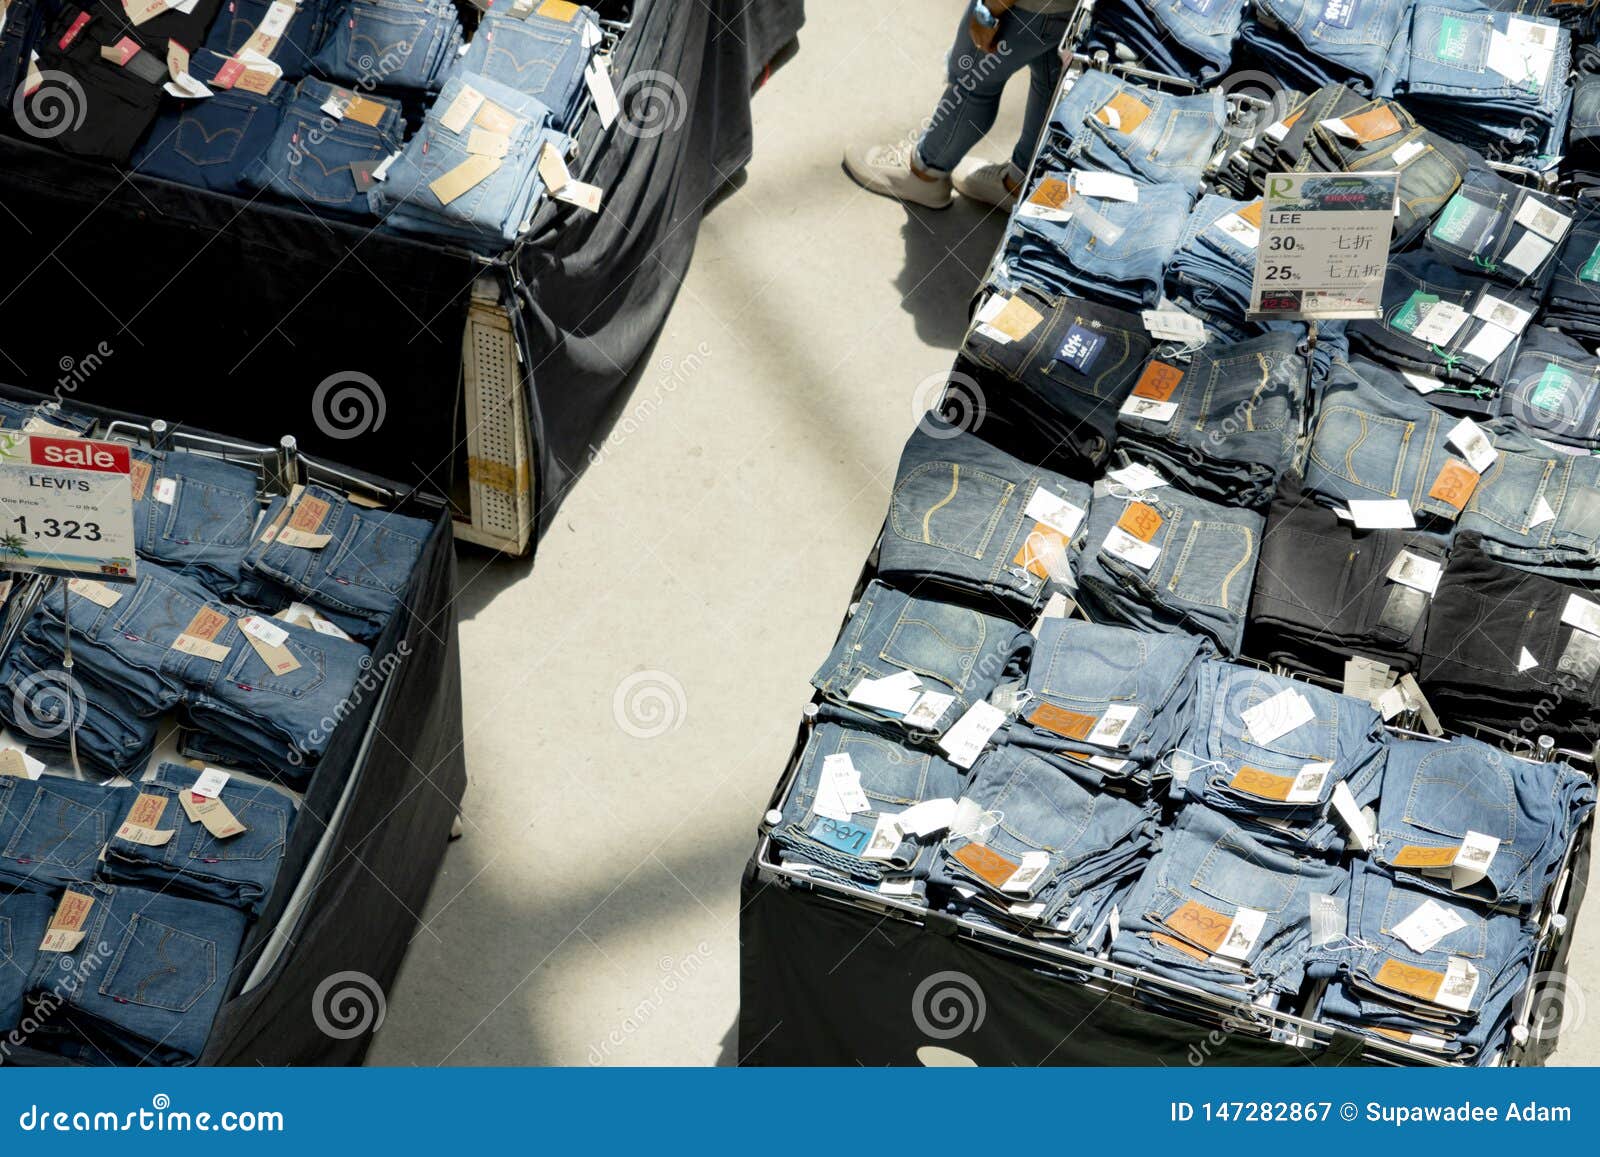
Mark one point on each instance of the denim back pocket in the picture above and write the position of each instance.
(1557, 394)
(1185, 141)
(1459, 789)
(1366, 450)
(1103, 365)
(267, 828)
(1231, 874)
(326, 176)
(1059, 816)
(59, 831)
(523, 58)
(892, 775)
(205, 513)
(1450, 38)
(939, 640)
(158, 966)
(248, 669)
(1471, 939)
(1215, 566)
(1094, 665)
(1241, 690)
(946, 504)
(384, 38)
(157, 613)
(210, 132)
(1509, 490)
(375, 556)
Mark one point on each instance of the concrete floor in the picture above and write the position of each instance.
(620, 760)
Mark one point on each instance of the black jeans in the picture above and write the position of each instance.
(1488, 620)
(1322, 593)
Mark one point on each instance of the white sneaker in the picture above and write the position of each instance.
(887, 171)
(990, 183)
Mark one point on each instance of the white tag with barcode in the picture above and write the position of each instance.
(1461, 979)
(1112, 728)
(1582, 614)
(1327, 919)
(263, 631)
(1472, 861)
(927, 817)
(1242, 934)
(897, 693)
(1120, 544)
(966, 737)
(929, 708)
(1173, 325)
(1111, 186)
(1416, 572)
(1354, 819)
(1055, 512)
(1275, 717)
(1440, 323)
(1469, 438)
(1027, 875)
(1428, 925)
(1137, 477)
(210, 783)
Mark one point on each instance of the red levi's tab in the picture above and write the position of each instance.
(79, 454)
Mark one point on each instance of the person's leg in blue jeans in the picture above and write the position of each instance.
(923, 174)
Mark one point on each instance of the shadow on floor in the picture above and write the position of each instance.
(947, 253)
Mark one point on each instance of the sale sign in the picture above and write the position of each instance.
(66, 506)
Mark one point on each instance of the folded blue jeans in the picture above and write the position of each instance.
(1553, 391)
(389, 44)
(953, 650)
(194, 513)
(169, 968)
(24, 917)
(1117, 126)
(293, 48)
(52, 829)
(542, 56)
(1434, 794)
(318, 159)
(208, 144)
(238, 871)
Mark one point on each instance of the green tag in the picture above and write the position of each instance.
(1409, 315)
(1551, 389)
(1452, 38)
(1591, 267)
(1457, 217)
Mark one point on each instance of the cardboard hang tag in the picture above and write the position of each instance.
(212, 814)
(597, 75)
(467, 175)
(96, 592)
(461, 110)
(17, 763)
(140, 825)
(65, 931)
(199, 637)
(483, 143)
(276, 655)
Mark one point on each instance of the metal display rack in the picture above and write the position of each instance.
(1135, 989)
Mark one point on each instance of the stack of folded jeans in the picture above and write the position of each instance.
(1507, 232)
(1288, 144)
(1221, 911)
(1101, 247)
(1161, 561)
(210, 143)
(286, 32)
(1397, 972)
(1324, 590)
(1115, 126)
(1490, 79)
(1551, 392)
(1498, 651)
(1470, 344)
(52, 708)
(850, 784)
(1064, 378)
(40, 417)
(541, 54)
(1215, 260)
(96, 105)
(968, 516)
(193, 514)
(1468, 821)
(1105, 703)
(238, 870)
(327, 142)
(1310, 43)
(149, 975)
(52, 830)
(1381, 135)
(1223, 424)
(391, 44)
(917, 664)
(1268, 752)
(1583, 133)
(19, 33)
(269, 690)
(24, 918)
(1538, 508)
(1057, 855)
(352, 562)
(1192, 39)
(471, 172)
(1575, 286)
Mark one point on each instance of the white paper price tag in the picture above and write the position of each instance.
(1582, 614)
(1473, 442)
(1428, 925)
(1354, 819)
(929, 708)
(1137, 477)
(1149, 409)
(1112, 728)
(1416, 572)
(1440, 323)
(1275, 717)
(1473, 859)
(1027, 874)
(1461, 979)
(1242, 934)
(263, 630)
(927, 817)
(1381, 513)
(1324, 245)
(1055, 512)
(897, 693)
(210, 783)
(886, 837)
(966, 737)
(1120, 544)
(1174, 325)
(1110, 186)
